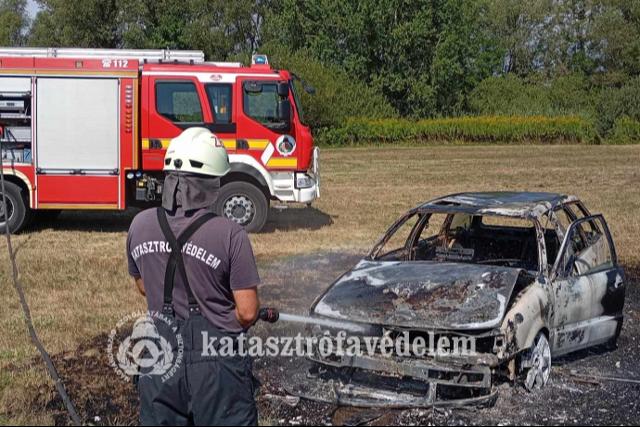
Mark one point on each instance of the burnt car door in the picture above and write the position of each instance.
(588, 287)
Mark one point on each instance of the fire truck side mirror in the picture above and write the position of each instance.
(283, 90)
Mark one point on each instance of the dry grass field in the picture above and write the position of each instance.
(74, 270)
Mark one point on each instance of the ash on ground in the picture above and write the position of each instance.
(577, 393)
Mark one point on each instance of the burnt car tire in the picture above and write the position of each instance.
(17, 206)
(244, 204)
(536, 363)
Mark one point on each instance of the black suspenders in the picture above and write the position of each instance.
(176, 260)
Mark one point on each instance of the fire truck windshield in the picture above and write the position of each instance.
(261, 103)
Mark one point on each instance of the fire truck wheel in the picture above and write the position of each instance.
(243, 203)
(18, 210)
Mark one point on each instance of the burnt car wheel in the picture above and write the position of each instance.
(536, 363)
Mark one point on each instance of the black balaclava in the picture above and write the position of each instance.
(189, 191)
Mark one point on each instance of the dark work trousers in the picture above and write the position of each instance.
(205, 390)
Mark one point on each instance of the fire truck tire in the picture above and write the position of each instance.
(17, 207)
(243, 203)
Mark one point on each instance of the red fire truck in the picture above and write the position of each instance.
(88, 129)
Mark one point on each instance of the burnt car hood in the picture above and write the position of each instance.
(421, 295)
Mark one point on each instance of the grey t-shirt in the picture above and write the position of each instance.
(218, 259)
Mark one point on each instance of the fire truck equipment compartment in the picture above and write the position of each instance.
(11, 86)
(89, 141)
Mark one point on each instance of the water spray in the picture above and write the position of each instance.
(272, 315)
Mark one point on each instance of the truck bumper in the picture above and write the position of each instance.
(298, 187)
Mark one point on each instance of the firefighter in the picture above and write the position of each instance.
(208, 288)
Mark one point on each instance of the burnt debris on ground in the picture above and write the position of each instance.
(576, 393)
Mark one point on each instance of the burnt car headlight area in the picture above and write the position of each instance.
(454, 368)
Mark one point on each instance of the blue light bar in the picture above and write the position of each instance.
(259, 60)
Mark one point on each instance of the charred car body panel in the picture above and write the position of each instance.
(525, 291)
(421, 295)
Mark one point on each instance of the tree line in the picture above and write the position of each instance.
(410, 58)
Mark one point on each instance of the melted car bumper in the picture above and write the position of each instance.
(392, 383)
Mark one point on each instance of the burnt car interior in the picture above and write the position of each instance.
(477, 239)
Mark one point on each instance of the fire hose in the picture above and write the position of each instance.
(51, 369)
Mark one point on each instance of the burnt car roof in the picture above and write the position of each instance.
(506, 203)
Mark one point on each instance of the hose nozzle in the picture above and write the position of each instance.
(269, 315)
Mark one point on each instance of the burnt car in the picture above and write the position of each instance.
(526, 277)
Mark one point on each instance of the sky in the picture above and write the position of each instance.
(32, 8)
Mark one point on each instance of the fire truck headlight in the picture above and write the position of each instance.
(130, 175)
(304, 181)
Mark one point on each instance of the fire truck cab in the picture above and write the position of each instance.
(88, 129)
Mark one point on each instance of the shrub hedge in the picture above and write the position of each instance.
(625, 131)
(474, 129)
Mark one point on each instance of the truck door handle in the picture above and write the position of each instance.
(155, 144)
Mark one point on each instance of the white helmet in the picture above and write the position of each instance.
(197, 150)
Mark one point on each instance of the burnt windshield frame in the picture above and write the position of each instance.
(425, 215)
(374, 254)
